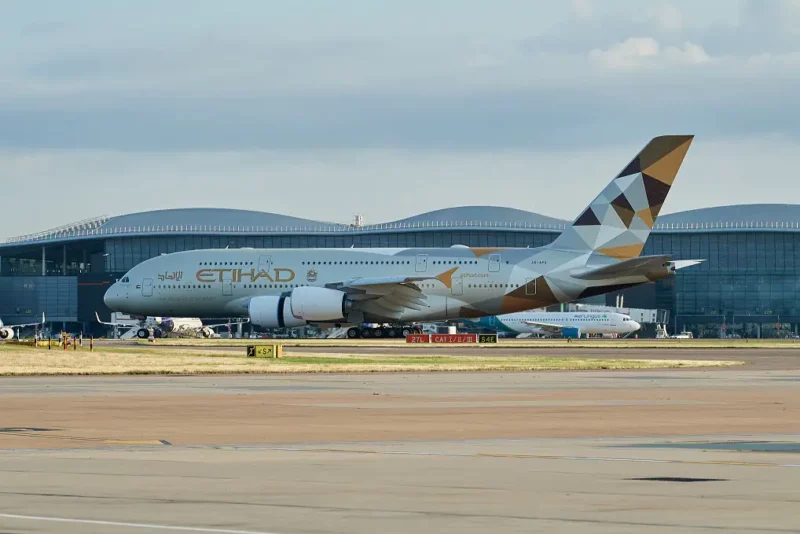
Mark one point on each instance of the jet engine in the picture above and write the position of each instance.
(273, 312)
(6, 334)
(304, 304)
(207, 332)
(319, 304)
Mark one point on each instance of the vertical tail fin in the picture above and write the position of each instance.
(618, 222)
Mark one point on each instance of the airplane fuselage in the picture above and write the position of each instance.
(544, 322)
(464, 282)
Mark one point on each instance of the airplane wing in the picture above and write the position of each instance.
(387, 296)
(240, 321)
(124, 325)
(547, 327)
(26, 324)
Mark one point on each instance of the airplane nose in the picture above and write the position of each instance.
(636, 326)
(111, 298)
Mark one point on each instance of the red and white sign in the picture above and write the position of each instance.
(454, 338)
(418, 338)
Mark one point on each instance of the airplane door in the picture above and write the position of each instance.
(147, 287)
(422, 263)
(494, 263)
(457, 286)
(264, 263)
(227, 283)
(530, 286)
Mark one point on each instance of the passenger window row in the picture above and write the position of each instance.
(228, 263)
(355, 263)
(184, 286)
(493, 285)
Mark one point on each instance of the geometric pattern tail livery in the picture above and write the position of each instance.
(618, 222)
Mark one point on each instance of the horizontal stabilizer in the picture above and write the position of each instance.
(641, 266)
(682, 264)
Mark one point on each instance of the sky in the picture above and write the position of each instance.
(329, 108)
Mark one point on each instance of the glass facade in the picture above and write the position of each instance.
(748, 285)
(23, 299)
(749, 279)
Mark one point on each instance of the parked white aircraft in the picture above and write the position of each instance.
(7, 332)
(571, 324)
(598, 253)
(163, 326)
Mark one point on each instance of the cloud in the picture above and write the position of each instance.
(644, 52)
(559, 83)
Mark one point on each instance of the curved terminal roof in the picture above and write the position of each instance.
(483, 214)
(212, 217)
(741, 214)
(213, 221)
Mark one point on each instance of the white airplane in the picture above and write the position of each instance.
(7, 332)
(163, 326)
(568, 324)
(286, 288)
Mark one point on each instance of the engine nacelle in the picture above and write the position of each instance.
(571, 333)
(273, 312)
(6, 334)
(207, 332)
(319, 304)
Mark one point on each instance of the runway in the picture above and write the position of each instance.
(595, 451)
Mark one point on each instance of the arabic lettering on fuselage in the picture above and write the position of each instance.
(175, 275)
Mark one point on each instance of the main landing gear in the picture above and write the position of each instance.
(391, 332)
(144, 333)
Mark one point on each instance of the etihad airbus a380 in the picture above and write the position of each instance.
(597, 253)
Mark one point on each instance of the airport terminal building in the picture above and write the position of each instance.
(749, 284)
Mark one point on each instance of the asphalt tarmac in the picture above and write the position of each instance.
(698, 450)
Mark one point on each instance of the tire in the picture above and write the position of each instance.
(142, 333)
(378, 333)
(406, 332)
(366, 333)
(353, 333)
(392, 332)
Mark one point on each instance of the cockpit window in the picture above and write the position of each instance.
(125, 280)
